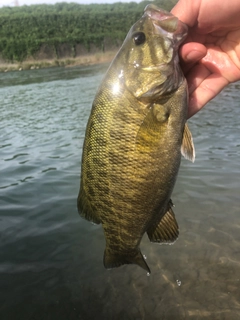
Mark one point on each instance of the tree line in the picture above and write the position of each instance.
(23, 30)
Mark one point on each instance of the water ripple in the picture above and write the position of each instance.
(44, 243)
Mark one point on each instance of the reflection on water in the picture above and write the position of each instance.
(51, 260)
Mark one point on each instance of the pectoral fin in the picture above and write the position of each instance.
(187, 148)
(167, 229)
(152, 127)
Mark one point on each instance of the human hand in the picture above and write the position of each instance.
(210, 56)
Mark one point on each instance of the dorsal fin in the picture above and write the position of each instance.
(187, 148)
(167, 229)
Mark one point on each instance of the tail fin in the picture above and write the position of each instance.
(112, 260)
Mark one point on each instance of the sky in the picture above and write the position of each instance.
(29, 2)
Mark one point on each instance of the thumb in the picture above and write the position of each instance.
(187, 11)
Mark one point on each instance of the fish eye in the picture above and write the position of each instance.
(139, 38)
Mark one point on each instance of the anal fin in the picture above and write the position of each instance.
(167, 229)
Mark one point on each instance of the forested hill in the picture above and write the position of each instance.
(25, 30)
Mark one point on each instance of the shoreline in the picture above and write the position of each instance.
(84, 60)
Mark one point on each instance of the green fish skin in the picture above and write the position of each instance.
(134, 139)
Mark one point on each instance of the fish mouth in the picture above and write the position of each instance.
(167, 22)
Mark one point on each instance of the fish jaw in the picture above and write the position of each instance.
(170, 25)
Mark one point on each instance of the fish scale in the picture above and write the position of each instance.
(133, 142)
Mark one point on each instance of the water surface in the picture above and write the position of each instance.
(51, 259)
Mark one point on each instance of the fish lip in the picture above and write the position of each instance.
(159, 16)
(156, 13)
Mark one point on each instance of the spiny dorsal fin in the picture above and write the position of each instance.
(113, 260)
(167, 229)
(187, 148)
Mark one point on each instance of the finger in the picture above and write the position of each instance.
(190, 54)
(207, 90)
(223, 63)
(196, 76)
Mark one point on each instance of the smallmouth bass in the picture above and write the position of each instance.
(134, 139)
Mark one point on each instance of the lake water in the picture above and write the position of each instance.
(51, 259)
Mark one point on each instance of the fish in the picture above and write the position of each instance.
(136, 133)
